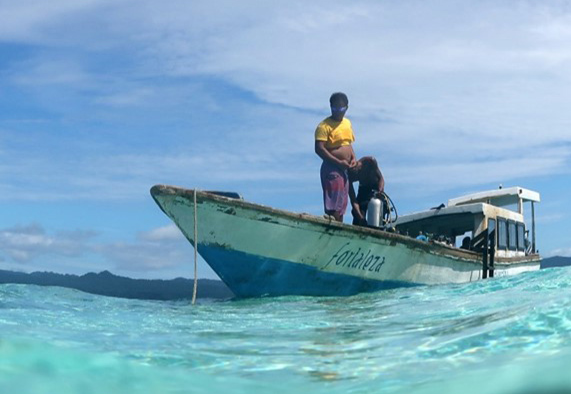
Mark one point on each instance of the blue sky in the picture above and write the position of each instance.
(102, 99)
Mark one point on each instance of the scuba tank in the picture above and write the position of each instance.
(374, 212)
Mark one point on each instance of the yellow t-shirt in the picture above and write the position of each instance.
(334, 133)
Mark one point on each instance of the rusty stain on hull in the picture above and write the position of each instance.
(268, 219)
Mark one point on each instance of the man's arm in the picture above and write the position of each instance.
(381, 180)
(353, 160)
(326, 155)
(355, 209)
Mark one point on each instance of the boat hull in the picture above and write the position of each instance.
(261, 251)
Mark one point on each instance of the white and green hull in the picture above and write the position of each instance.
(257, 250)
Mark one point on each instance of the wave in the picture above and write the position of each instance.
(503, 335)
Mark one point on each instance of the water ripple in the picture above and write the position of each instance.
(426, 339)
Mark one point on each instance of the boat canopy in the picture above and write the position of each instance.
(450, 221)
(503, 208)
(499, 197)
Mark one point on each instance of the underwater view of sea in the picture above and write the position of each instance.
(503, 335)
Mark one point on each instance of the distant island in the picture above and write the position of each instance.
(555, 261)
(107, 284)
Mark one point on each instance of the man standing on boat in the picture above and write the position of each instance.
(371, 183)
(333, 139)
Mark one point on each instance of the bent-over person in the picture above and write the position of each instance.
(371, 182)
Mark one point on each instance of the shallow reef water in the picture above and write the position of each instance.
(503, 335)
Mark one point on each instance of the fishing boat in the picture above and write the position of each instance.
(262, 251)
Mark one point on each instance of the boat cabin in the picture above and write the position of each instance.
(495, 218)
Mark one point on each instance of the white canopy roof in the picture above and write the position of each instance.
(499, 197)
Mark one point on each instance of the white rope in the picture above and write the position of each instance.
(195, 251)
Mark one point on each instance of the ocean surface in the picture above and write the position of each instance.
(504, 335)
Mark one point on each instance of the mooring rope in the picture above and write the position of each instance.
(195, 251)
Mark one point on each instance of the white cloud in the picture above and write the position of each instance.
(23, 244)
(280, 49)
(435, 89)
(496, 170)
(162, 250)
(565, 252)
(551, 219)
(41, 72)
(133, 97)
(141, 256)
(226, 95)
(460, 70)
(32, 21)
(166, 233)
(555, 29)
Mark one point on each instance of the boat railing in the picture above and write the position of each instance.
(485, 242)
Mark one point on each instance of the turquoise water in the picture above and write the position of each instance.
(505, 335)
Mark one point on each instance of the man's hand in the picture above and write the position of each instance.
(344, 164)
(357, 214)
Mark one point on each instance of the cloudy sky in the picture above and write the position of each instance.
(102, 99)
